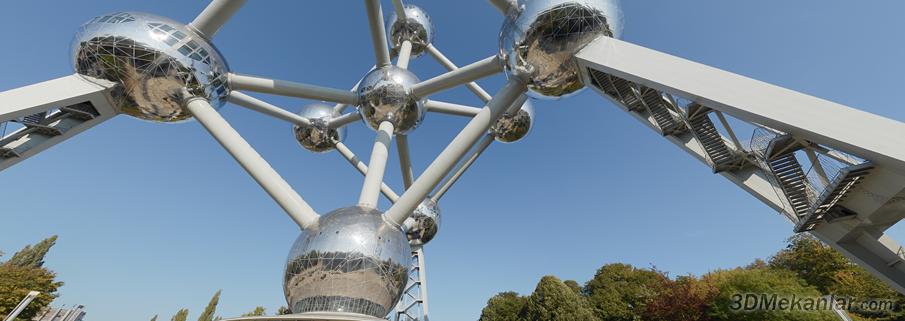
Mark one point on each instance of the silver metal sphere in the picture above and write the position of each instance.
(417, 28)
(151, 59)
(512, 127)
(353, 261)
(385, 94)
(541, 37)
(318, 138)
(424, 223)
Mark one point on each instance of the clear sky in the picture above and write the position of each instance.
(153, 218)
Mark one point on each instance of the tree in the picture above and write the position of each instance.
(811, 260)
(685, 299)
(504, 306)
(573, 285)
(154, 318)
(554, 301)
(619, 292)
(856, 282)
(257, 312)
(181, 315)
(208, 314)
(741, 281)
(283, 311)
(16, 282)
(33, 256)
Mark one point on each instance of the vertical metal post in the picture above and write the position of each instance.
(378, 33)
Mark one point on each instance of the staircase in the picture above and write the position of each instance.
(827, 207)
(780, 158)
(721, 157)
(658, 108)
(43, 126)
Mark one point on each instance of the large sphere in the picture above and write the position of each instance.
(416, 28)
(150, 59)
(512, 127)
(385, 94)
(353, 261)
(318, 138)
(540, 38)
(424, 223)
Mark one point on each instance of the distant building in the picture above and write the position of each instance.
(62, 314)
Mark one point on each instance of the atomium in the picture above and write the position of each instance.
(539, 40)
(151, 59)
(416, 28)
(353, 261)
(318, 137)
(385, 94)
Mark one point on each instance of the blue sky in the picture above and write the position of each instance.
(153, 218)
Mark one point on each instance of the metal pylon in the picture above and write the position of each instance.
(413, 305)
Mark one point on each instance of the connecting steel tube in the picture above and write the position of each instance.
(487, 67)
(443, 164)
(482, 146)
(363, 169)
(292, 89)
(378, 33)
(473, 86)
(344, 120)
(405, 55)
(254, 164)
(451, 109)
(405, 160)
(400, 9)
(370, 191)
(263, 107)
(215, 15)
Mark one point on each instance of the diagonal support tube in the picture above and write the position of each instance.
(263, 107)
(451, 109)
(482, 146)
(363, 169)
(344, 120)
(443, 164)
(370, 191)
(378, 33)
(483, 68)
(474, 87)
(292, 89)
(400, 9)
(215, 15)
(254, 164)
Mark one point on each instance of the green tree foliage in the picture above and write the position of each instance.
(619, 292)
(811, 260)
(16, 282)
(208, 314)
(33, 256)
(504, 306)
(757, 281)
(154, 318)
(573, 285)
(181, 315)
(283, 311)
(257, 312)
(552, 300)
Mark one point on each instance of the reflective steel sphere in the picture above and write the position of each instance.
(150, 59)
(540, 38)
(416, 28)
(318, 138)
(385, 94)
(424, 223)
(353, 261)
(512, 127)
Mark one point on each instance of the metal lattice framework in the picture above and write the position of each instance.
(833, 171)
